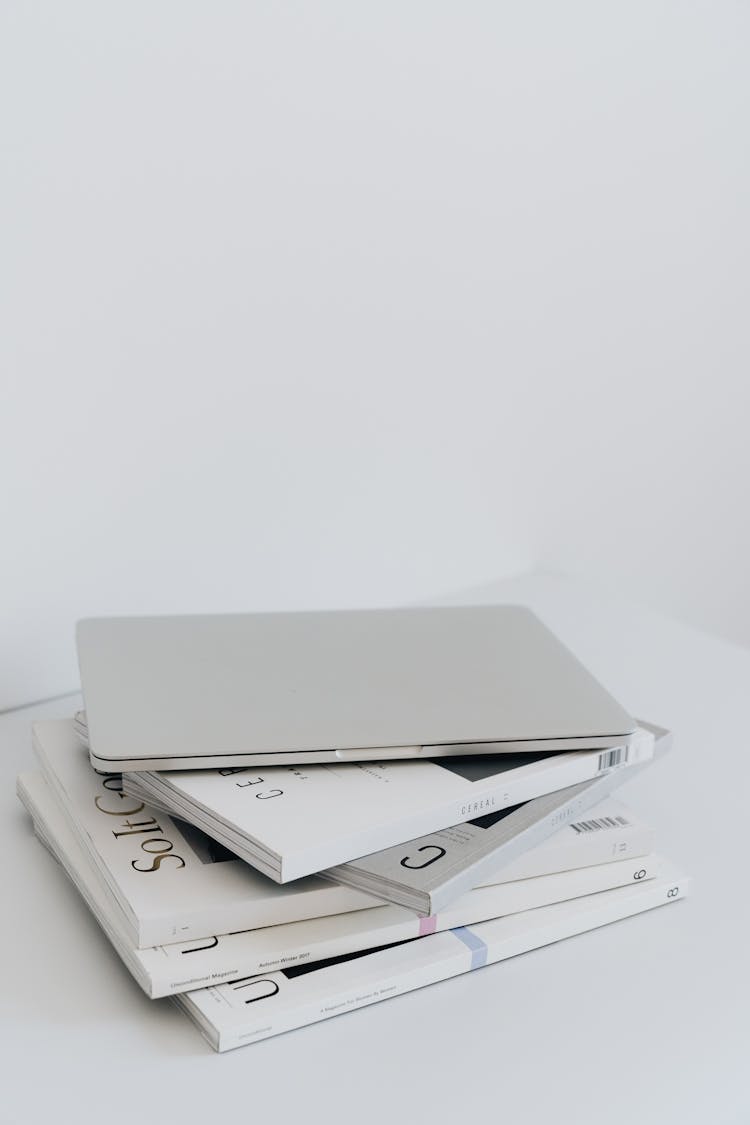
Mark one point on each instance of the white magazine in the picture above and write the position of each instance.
(171, 882)
(248, 1010)
(170, 969)
(427, 873)
(290, 821)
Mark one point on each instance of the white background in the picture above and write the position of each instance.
(350, 304)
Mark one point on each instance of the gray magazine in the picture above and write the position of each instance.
(426, 874)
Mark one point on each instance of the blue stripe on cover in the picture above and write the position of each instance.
(474, 943)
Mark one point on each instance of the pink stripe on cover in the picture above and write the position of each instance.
(427, 925)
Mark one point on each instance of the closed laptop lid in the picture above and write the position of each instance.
(190, 687)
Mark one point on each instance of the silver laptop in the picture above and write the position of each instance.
(335, 686)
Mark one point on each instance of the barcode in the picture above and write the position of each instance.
(616, 757)
(603, 822)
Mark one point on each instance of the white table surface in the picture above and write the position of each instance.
(645, 1021)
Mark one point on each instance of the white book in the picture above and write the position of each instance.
(254, 1008)
(170, 969)
(171, 882)
(427, 873)
(290, 821)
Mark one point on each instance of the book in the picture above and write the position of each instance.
(171, 881)
(291, 821)
(253, 1008)
(240, 689)
(183, 966)
(427, 873)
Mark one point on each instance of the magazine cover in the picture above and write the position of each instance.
(290, 821)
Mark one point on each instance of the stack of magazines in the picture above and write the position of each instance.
(298, 827)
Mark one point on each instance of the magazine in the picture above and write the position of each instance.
(291, 821)
(252, 1008)
(171, 881)
(427, 873)
(168, 969)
